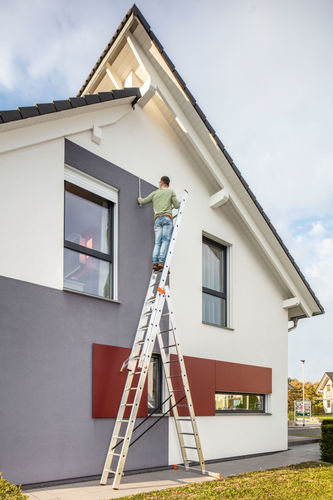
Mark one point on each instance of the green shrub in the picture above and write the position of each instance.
(327, 421)
(326, 442)
(9, 491)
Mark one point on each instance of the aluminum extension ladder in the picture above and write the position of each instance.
(157, 299)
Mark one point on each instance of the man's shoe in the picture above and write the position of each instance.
(160, 266)
(155, 266)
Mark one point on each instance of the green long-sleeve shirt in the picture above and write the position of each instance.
(163, 201)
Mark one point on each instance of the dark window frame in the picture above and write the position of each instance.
(86, 194)
(242, 410)
(215, 293)
(157, 357)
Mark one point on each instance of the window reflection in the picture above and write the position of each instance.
(87, 274)
(239, 402)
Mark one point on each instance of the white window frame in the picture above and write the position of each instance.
(108, 192)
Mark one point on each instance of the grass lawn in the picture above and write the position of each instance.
(307, 481)
(322, 417)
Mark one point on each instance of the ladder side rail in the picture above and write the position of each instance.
(145, 356)
(185, 381)
(125, 396)
(142, 322)
(173, 239)
(154, 322)
(166, 368)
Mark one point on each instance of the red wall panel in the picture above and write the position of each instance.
(201, 377)
(108, 382)
(236, 377)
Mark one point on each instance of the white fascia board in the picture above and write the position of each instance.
(31, 131)
(148, 91)
(107, 56)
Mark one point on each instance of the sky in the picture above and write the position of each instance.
(262, 71)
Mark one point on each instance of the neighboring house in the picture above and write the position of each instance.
(325, 387)
(76, 260)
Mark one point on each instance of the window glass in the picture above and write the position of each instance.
(239, 402)
(213, 309)
(87, 274)
(154, 383)
(213, 266)
(87, 219)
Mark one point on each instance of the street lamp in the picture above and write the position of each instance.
(303, 361)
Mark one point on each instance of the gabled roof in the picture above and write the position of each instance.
(137, 13)
(62, 105)
(328, 376)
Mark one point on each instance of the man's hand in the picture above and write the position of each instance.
(139, 199)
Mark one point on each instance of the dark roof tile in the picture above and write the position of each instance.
(106, 96)
(46, 108)
(168, 61)
(10, 115)
(179, 78)
(156, 41)
(92, 98)
(127, 92)
(76, 102)
(29, 111)
(200, 112)
(210, 128)
(62, 105)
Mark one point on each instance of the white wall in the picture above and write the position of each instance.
(31, 213)
(143, 143)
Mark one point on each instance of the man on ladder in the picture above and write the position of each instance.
(163, 199)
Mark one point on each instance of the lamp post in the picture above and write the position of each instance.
(303, 361)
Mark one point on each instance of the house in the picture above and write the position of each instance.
(76, 260)
(325, 388)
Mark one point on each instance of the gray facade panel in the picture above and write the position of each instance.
(46, 338)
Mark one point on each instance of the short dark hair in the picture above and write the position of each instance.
(165, 179)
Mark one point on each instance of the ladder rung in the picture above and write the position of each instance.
(127, 404)
(140, 342)
(167, 346)
(182, 406)
(187, 433)
(190, 447)
(123, 420)
(175, 361)
(148, 313)
(184, 419)
(115, 454)
(131, 389)
(165, 331)
(119, 437)
(111, 471)
(178, 390)
(166, 314)
(175, 376)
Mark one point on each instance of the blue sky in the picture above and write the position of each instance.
(262, 71)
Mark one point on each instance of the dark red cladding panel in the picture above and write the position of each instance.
(236, 377)
(108, 382)
(201, 378)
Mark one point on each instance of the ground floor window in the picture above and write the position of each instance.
(239, 403)
(155, 384)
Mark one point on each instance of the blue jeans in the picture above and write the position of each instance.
(163, 228)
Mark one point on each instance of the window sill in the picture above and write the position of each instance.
(242, 414)
(218, 326)
(91, 296)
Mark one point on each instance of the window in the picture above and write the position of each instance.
(88, 242)
(240, 403)
(214, 281)
(155, 383)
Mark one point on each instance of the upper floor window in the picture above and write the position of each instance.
(88, 252)
(214, 283)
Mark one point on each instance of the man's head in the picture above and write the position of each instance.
(164, 182)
